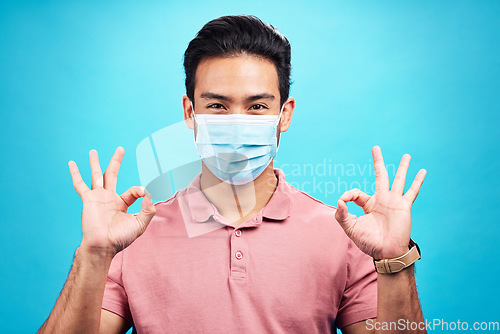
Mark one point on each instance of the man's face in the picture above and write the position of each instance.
(243, 84)
(237, 85)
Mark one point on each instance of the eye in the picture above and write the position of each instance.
(215, 106)
(258, 107)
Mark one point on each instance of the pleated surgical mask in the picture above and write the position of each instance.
(236, 148)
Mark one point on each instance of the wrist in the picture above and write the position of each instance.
(397, 264)
(95, 254)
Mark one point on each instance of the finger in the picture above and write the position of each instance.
(356, 196)
(78, 183)
(398, 185)
(132, 194)
(147, 212)
(381, 176)
(111, 173)
(343, 217)
(412, 193)
(95, 169)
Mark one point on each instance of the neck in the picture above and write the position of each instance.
(239, 202)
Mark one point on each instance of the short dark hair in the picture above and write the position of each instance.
(234, 35)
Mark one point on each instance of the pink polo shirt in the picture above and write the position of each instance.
(288, 269)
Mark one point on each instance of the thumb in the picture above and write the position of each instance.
(147, 212)
(343, 216)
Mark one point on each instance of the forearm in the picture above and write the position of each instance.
(78, 308)
(398, 302)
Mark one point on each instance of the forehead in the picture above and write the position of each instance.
(238, 75)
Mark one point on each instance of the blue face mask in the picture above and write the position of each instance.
(236, 148)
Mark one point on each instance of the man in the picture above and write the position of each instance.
(278, 261)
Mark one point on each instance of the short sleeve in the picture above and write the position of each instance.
(359, 301)
(115, 298)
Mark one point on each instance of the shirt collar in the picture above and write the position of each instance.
(279, 206)
(276, 210)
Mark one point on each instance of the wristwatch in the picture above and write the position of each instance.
(391, 266)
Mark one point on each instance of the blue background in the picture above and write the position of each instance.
(418, 77)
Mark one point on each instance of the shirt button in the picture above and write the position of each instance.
(237, 233)
(238, 255)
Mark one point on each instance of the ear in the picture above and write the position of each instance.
(286, 115)
(188, 111)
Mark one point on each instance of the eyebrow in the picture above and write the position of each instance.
(211, 95)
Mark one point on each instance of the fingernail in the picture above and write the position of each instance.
(148, 194)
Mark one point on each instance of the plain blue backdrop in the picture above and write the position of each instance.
(418, 77)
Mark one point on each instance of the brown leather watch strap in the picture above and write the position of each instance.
(391, 266)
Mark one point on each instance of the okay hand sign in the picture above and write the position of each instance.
(106, 224)
(383, 232)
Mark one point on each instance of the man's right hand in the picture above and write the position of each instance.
(107, 227)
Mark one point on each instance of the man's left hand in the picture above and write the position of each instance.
(383, 232)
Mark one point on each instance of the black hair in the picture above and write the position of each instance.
(234, 35)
